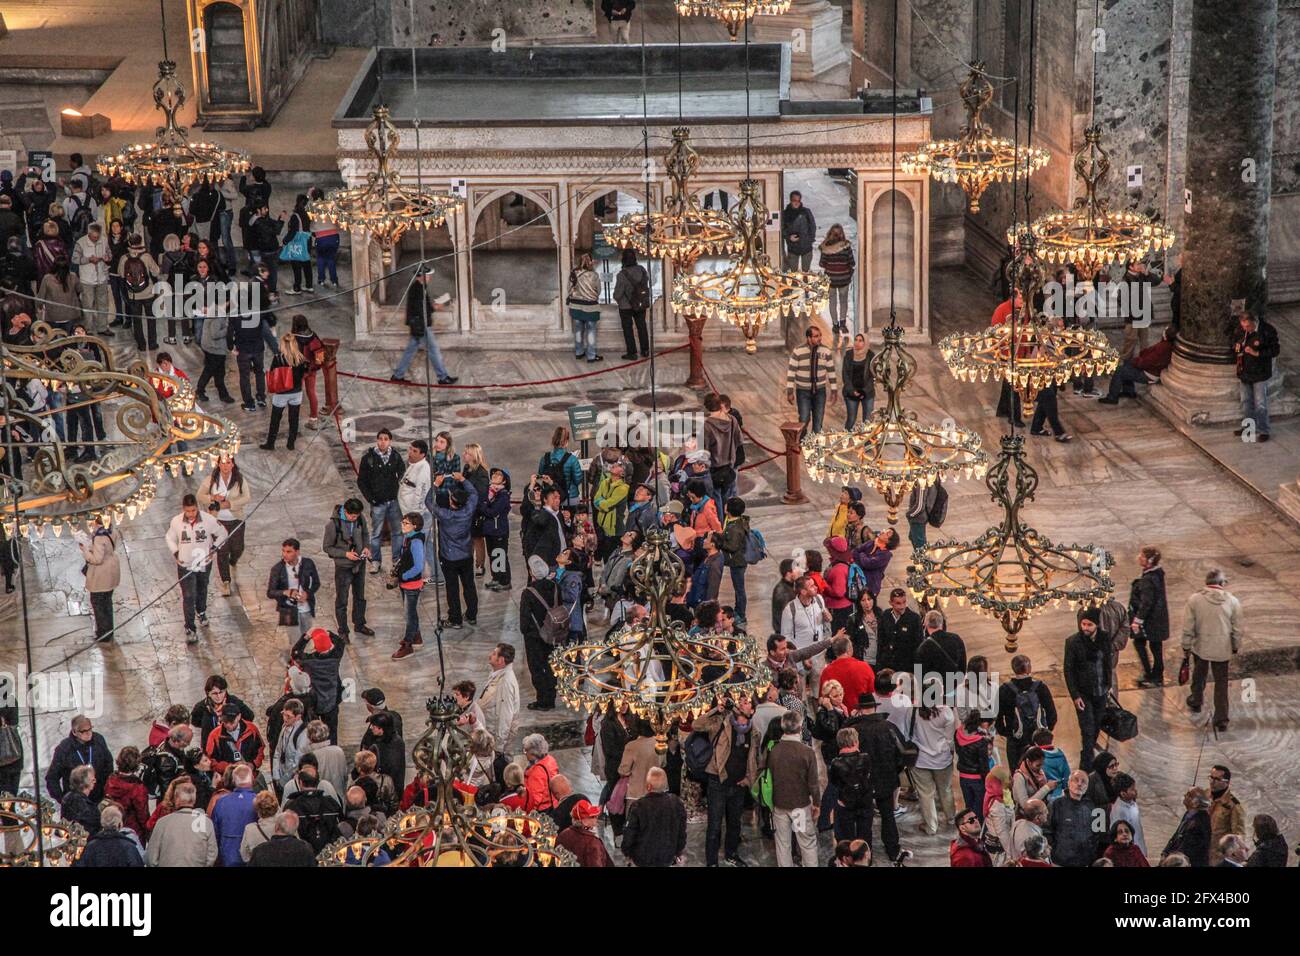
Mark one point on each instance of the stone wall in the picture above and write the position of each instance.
(472, 22)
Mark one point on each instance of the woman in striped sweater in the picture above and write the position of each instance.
(837, 263)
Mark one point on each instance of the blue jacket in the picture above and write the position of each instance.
(572, 471)
(410, 563)
(1056, 767)
(496, 513)
(113, 848)
(454, 524)
(571, 595)
(232, 813)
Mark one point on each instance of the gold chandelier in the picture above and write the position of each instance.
(977, 158)
(1010, 572)
(451, 832)
(384, 208)
(733, 13)
(30, 836)
(172, 161)
(1091, 235)
(145, 435)
(1046, 354)
(683, 231)
(750, 293)
(662, 673)
(891, 449)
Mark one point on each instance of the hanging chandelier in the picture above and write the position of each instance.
(384, 208)
(733, 13)
(172, 160)
(892, 450)
(662, 673)
(1010, 571)
(977, 158)
(30, 836)
(750, 293)
(1091, 235)
(450, 832)
(1046, 353)
(683, 231)
(145, 435)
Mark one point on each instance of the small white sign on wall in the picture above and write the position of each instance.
(1135, 177)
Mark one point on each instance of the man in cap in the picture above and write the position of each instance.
(580, 839)
(375, 703)
(419, 320)
(1086, 662)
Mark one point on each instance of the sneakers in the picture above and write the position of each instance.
(736, 861)
(598, 358)
(293, 292)
(903, 857)
(191, 637)
(403, 650)
(248, 408)
(225, 589)
(454, 625)
(1107, 400)
(313, 424)
(901, 810)
(366, 630)
(261, 403)
(376, 568)
(1090, 393)
(1064, 437)
(186, 340)
(169, 340)
(448, 380)
(471, 622)
(203, 620)
(538, 705)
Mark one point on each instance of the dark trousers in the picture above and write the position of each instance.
(888, 825)
(1201, 669)
(143, 324)
(853, 824)
(1125, 381)
(273, 432)
(252, 377)
(331, 720)
(411, 604)
(738, 585)
(1152, 655)
(1008, 400)
(1045, 411)
(539, 668)
(498, 555)
(972, 791)
(627, 317)
(349, 579)
(214, 370)
(301, 276)
(231, 550)
(194, 593)
(460, 580)
(1089, 718)
(726, 803)
(80, 424)
(101, 604)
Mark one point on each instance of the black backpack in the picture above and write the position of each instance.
(81, 219)
(554, 470)
(318, 823)
(698, 751)
(640, 298)
(1029, 711)
(136, 274)
(939, 513)
(855, 793)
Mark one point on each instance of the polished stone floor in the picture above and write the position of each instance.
(1128, 479)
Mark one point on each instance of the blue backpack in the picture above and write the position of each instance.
(856, 585)
(755, 547)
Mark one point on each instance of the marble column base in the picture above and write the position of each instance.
(1195, 393)
(820, 47)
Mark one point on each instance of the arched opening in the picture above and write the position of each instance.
(514, 258)
(438, 252)
(603, 211)
(904, 280)
(226, 56)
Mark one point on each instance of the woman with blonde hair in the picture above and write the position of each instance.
(262, 829)
(284, 383)
(474, 471)
(584, 311)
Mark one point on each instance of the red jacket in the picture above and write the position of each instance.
(855, 676)
(1155, 358)
(158, 733)
(251, 746)
(129, 793)
(966, 852)
(1127, 855)
(585, 845)
(837, 586)
(705, 517)
(537, 784)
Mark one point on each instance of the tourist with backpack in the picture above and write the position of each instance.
(562, 467)
(741, 546)
(926, 507)
(544, 622)
(1024, 705)
(284, 383)
(633, 296)
(723, 740)
(318, 813)
(837, 598)
(408, 577)
(849, 774)
(138, 271)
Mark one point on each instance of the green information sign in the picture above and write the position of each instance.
(582, 422)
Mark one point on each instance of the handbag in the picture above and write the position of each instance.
(1116, 722)
(295, 250)
(908, 751)
(11, 745)
(1184, 671)
(617, 801)
(279, 380)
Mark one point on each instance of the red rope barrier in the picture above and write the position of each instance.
(548, 381)
(763, 462)
(774, 452)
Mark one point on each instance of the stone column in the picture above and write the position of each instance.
(794, 495)
(330, 371)
(1229, 150)
(695, 336)
(812, 28)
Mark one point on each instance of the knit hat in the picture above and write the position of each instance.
(320, 640)
(373, 696)
(538, 567)
(673, 507)
(698, 457)
(838, 548)
(1092, 614)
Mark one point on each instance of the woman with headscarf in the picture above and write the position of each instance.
(999, 812)
(60, 291)
(48, 249)
(859, 383)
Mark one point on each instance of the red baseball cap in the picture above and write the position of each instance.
(320, 640)
(584, 810)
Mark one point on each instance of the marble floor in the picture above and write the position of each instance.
(1128, 479)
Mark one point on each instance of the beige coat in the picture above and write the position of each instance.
(1213, 624)
(638, 757)
(183, 838)
(237, 500)
(103, 569)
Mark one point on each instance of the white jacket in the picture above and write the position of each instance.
(414, 488)
(91, 273)
(802, 625)
(193, 545)
(933, 738)
(500, 702)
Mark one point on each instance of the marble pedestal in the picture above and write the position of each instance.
(815, 50)
(1195, 393)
